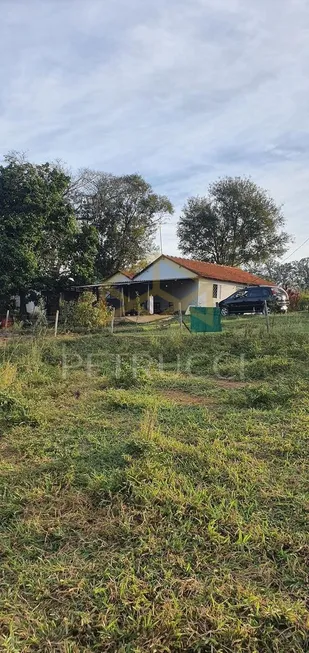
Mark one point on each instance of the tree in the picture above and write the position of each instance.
(294, 274)
(41, 243)
(142, 263)
(236, 224)
(125, 211)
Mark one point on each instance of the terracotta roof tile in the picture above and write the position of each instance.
(218, 272)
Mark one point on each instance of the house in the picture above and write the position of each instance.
(170, 281)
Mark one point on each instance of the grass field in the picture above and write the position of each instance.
(154, 491)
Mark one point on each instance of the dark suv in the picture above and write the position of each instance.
(252, 300)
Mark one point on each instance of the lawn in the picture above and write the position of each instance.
(154, 491)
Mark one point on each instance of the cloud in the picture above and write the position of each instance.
(181, 92)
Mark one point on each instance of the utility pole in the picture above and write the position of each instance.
(161, 243)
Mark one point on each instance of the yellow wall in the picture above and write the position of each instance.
(205, 291)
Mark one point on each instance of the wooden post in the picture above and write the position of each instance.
(266, 316)
(180, 314)
(56, 323)
(7, 319)
(122, 302)
(113, 319)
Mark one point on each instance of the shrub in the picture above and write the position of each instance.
(85, 313)
(303, 304)
(294, 297)
(299, 301)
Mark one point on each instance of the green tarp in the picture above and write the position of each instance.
(205, 320)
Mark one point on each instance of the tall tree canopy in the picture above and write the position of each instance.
(238, 223)
(125, 211)
(40, 239)
(292, 274)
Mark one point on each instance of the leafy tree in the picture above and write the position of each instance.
(142, 263)
(41, 243)
(83, 253)
(294, 274)
(67, 258)
(236, 224)
(125, 211)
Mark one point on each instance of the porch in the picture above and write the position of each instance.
(155, 297)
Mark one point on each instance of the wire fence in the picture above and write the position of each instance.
(292, 321)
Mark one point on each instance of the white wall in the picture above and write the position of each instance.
(163, 268)
(205, 291)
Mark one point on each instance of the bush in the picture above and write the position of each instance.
(85, 314)
(294, 298)
(299, 301)
(303, 303)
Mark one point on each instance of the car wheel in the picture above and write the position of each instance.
(224, 311)
(267, 310)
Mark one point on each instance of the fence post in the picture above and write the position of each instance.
(113, 319)
(56, 323)
(123, 310)
(266, 316)
(7, 319)
(180, 314)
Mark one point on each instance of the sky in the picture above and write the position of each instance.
(182, 92)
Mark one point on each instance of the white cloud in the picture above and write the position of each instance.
(182, 92)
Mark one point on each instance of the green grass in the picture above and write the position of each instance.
(160, 511)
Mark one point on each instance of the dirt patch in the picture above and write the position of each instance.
(184, 398)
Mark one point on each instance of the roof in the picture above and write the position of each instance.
(126, 274)
(218, 272)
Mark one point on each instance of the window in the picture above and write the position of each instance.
(255, 292)
(240, 294)
(215, 291)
